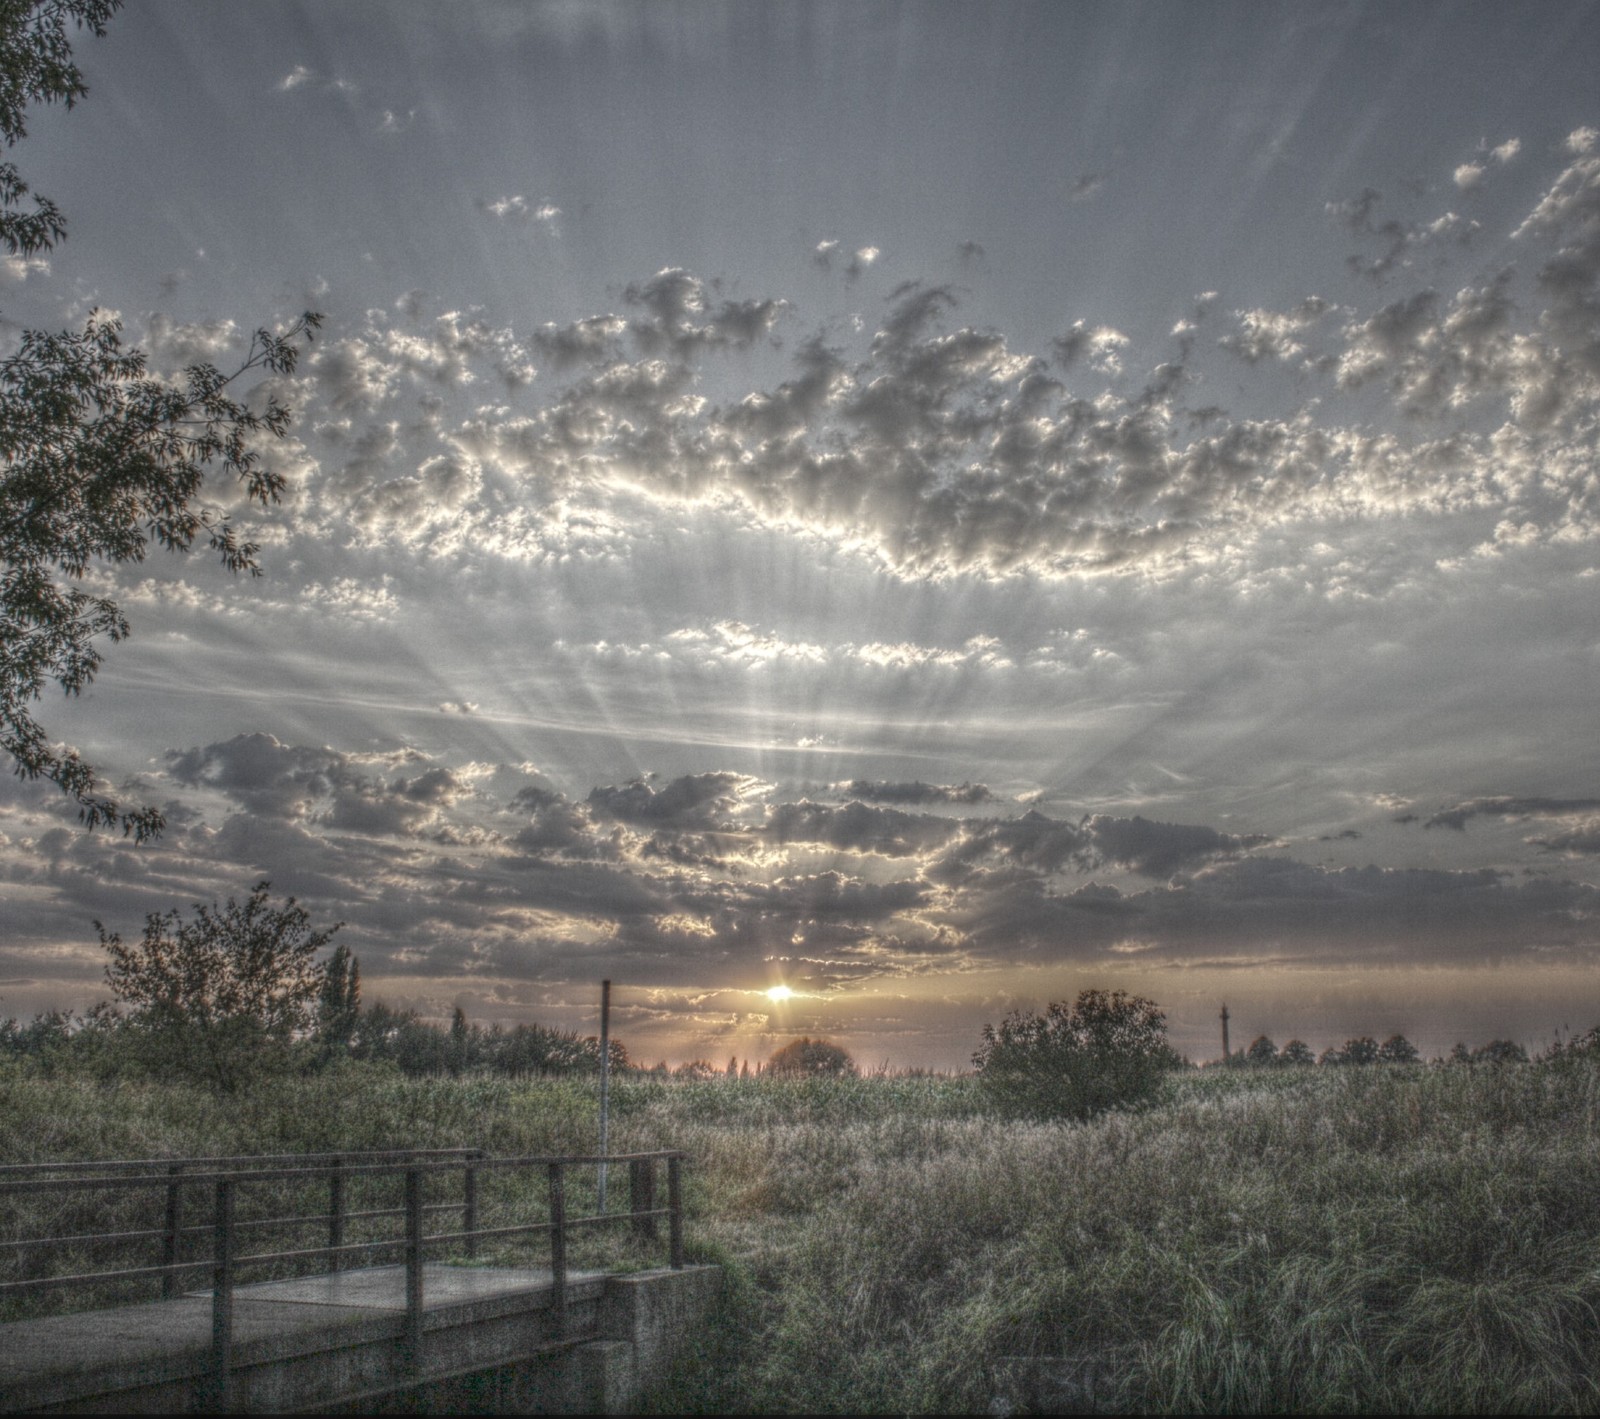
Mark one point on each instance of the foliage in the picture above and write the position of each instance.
(1261, 1051)
(99, 456)
(416, 1048)
(1500, 1052)
(221, 997)
(1107, 1050)
(1296, 1052)
(339, 1002)
(1397, 1049)
(811, 1057)
(36, 67)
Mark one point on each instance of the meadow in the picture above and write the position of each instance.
(1397, 1237)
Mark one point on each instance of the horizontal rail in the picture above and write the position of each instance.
(285, 1174)
(230, 1158)
(321, 1219)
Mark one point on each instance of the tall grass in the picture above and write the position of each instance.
(1391, 1238)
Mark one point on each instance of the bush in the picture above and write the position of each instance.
(811, 1057)
(1261, 1051)
(1397, 1049)
(1106, 1051)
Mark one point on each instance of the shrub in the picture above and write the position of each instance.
(807, 1056)
(1296, 1052)
(1397, 1049)
(1105, 1051)
(1500, 1052)
(1261, 1051)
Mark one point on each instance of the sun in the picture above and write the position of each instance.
(779, 992)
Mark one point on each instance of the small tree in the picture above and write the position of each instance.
(1500, 1052)
(1261, 1051)
(223, 996)
(811, 1057)
(1361, 1050)
(339, 1002)
(1104, 1051)
(1296, 1052)
(1397, 1049)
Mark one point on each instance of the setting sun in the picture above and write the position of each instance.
(779, 992)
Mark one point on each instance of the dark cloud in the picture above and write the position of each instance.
(695, 801)
(1160, 849)
(1458, 816)
(855, 827)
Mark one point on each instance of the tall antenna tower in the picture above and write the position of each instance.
(1226, 1056)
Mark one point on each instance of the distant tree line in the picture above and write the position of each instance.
(1397, 1049)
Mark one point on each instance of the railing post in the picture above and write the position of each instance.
(171, 1242)
(413, 1334)
(336, 1214)
(222, 1295)
(642, 1190)
(558, 1247)
(469, 1208)
(675, 1202)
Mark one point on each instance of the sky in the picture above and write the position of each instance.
(935, 506)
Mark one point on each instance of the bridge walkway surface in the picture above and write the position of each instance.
(419, 1337)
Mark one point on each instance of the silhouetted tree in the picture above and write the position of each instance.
(1261, 1051)
(1500, 1052)
(1361, 1050)
(99, 458)
(339, 1001)
(1397, 1049)
(460, 1041)
(1296, 1052)
(1105, 1050)
(811, 1057)
(223, 996)
(1460, 1054)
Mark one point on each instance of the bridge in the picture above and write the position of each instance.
(313, 1284)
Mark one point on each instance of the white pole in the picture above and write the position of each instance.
(605, 1082)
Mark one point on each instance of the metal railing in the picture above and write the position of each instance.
(224, 1178)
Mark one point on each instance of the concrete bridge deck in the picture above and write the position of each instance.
(493, 1342)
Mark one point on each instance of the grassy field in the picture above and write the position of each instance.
(1420, 1238)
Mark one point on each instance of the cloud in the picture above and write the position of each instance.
(856, 827)
(1507, 807)
(519, 211)
(873, 791)
(936, 447)
(694, 801)
(322, 787)
(1088, 185)
(1275, 335)
(1160, 849)
(17, 269)
(860, 260)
